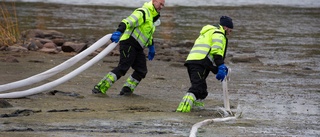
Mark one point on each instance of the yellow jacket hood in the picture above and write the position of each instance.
(151, 8)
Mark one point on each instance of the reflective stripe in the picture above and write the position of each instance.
(130, 86)
(136, 19)
(198, 51)
(202, 45)
(143, 36)
(131, 83)
(111, 78)
(190, 102)
(136, 31)
(211, 41)
(114, 76)
(133, 80)
(134, 35)
(140, 35)
(211, 59)
(189, 97)
(147, 11)
(217, 40)
(216, 47)
(131, 22)
(139, 41)
(127, 32)
(192, 95)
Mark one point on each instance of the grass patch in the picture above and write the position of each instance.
(9, 28)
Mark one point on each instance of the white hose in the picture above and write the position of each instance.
(226, 109)
(194, 129)
(226, 101)
(57, 69)
(19, 94)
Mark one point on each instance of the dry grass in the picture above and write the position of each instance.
(9, 28)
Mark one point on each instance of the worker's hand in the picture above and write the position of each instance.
(152, 52)
(222, 72)
(186, 103)
(115, 37)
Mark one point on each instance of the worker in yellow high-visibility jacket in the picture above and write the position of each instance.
(134, 33)
(206, 55)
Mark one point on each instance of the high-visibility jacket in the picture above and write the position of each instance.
(212, 41)
(140, 26)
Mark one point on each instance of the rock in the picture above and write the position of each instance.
(58, 41)
(32, 33)
(50, 45)
(44, 41)
(73, 47)
(4, 104)
(50, 48)
(50, 41)
(10, 59)
(51, 51)
(32, 45)
(38, 44)
(17, 48)
(51, 34)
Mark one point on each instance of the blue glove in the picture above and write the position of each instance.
(115, 37)
(222, 72)
(152, 52)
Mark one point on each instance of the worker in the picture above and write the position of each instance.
(134, 33)
(207, 55)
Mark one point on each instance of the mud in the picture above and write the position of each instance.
(273, 54)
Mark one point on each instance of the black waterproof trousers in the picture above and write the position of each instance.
(198, 75)
(131, 55)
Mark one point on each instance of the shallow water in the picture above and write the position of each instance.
(263, 28)
(189, 3)
(254, 25)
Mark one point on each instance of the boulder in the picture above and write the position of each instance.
(44, 41)
(33, 45)
(50, 48)
(17, 48)
(73, 47)
(59, 41)
(50, 45)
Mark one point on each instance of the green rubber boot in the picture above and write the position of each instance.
(186, 103)
(129, 86)
(104, 84)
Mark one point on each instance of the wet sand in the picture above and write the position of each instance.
(273, 54)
